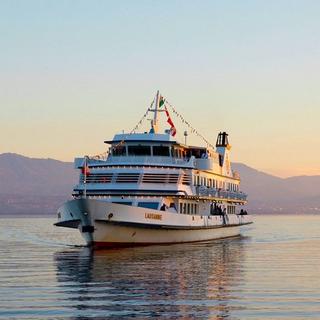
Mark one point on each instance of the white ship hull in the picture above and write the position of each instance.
(108, 224)
(111, 235)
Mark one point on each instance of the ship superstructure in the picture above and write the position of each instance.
(150, 188)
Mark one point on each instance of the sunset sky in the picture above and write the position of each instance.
(73, 73)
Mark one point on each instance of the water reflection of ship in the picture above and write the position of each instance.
(178, 281)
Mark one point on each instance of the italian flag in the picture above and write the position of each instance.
(173, 129)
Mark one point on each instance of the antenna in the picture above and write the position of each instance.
(185, 137)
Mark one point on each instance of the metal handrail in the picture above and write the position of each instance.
(218, 193)
(147, 159)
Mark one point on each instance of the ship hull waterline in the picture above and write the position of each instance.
(105, 224)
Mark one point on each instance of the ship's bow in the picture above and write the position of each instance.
(76, 214)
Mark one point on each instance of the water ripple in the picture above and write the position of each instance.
(270, 273)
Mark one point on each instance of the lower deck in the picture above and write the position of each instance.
(107, 221)
(176, 204)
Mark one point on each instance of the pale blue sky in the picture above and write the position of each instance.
(72, 73)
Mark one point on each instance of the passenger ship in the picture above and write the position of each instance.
(152, 189)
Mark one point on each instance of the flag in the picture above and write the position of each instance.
(85, 169)
(173, 130)
(161, 101)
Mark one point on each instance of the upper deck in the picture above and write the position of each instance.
(160, 150)
(154, 163)
(148, 149)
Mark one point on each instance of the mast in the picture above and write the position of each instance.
(85, 175)
(155, 117)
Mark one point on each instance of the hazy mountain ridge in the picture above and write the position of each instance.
(32, 176)
(268, 193)
(30, 185)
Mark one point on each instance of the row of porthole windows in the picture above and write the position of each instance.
(212, 183)
(188, 208)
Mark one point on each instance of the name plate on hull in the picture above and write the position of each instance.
(153, 216)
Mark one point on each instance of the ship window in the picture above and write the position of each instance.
(230, 210)
(181, 206)
(127, 178)
(186, 180)
(184, 208)
(139, 150)
(195, 208)
(119, 151)
(149, 205)
(160, 178)
(125, 203)
(161, 151)
(194, 178)
(188, 211)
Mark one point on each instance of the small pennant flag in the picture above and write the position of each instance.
(85, 169)
(161, 101)
(173, 129)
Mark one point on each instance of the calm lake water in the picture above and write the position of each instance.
(271, 272)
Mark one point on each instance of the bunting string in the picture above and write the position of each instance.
(100, 156)
(184, 121)
(104, 155)
(141, 120)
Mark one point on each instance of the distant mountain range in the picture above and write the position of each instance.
(270, 194)
(40, 186)
(30, 185)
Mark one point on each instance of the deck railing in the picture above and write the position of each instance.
(219, 193)
(119, 160)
